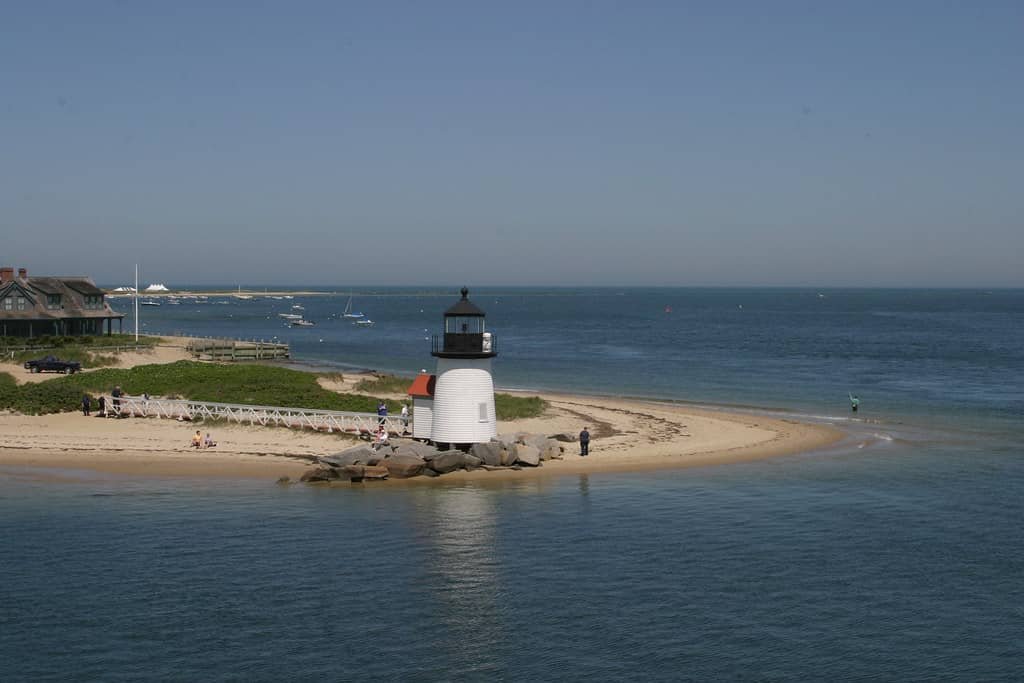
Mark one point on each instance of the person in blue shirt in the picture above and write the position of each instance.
(382, 412)
(584, 442)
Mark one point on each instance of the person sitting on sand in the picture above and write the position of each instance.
(197, 440)
(382, 438)
(208, 442)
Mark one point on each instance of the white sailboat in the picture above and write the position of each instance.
(348, 312)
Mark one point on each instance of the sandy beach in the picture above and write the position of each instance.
(627, 435)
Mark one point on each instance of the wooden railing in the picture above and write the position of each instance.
(296, 418)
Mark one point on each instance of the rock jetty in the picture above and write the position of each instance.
(405, 458)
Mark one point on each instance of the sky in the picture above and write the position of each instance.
(520, 143)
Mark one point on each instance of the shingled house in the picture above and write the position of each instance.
(37, 306)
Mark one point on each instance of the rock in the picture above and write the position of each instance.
(416, 448)
(350, 456)
(487, 453)
(550, 450)
(447, 462)
(283, 481)
(453, 460)
(321, 474)
(354, 472)
(375, 471)
(508, 455)
(538, 441)
(527, 455)
(430, 473)
(566, 437)
(404, 466)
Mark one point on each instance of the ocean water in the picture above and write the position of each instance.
(896, 556)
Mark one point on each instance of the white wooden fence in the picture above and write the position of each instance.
(297, 418)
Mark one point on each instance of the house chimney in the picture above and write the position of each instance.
(23, 273)
(6, 274)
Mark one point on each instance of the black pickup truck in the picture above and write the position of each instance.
(53, 364)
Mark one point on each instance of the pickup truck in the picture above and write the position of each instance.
(53, 364)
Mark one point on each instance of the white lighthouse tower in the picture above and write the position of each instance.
(463, 391)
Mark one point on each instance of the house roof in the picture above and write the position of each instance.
(423, 386)
(81, 286)
(71, 291)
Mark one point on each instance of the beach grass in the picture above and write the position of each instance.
(248, 384)
(510, 407)
(384, 384)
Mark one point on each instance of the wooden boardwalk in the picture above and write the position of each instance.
(237, 350)
(296, 418)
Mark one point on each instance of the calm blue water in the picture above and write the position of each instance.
(895, 557)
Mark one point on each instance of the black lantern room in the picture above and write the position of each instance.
(465, 335)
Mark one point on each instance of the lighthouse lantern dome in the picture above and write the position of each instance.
(465, 332)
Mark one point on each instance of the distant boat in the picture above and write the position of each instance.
(149, 303)
(349, 313)
(303, 323)
(290, 316)
(299, 307)
(365, 322)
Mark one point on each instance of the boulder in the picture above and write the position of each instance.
(350, 456)
(354, 472)
(550, 450)
(416, 448)
(488, 453)
(404, 466)
(508, 454)
(453, 460)
(321, 474)
(538, 441)
(527, 455)
(565, 437)
(375, 471)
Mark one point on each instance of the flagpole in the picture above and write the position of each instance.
(136, 303)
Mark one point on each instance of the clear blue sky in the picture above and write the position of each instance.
(562, 143)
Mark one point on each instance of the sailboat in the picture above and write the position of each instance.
(348, 312)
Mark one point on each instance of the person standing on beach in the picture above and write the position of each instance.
(382, 413)
(405, 418)
(854, 403)
(103, 407)
(584, 442)
(86, 404)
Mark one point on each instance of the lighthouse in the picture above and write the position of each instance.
(462, 410)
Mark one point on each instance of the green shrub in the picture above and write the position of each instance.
(38, 398)
(384, 384)
(510, 407)
(237, 383)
